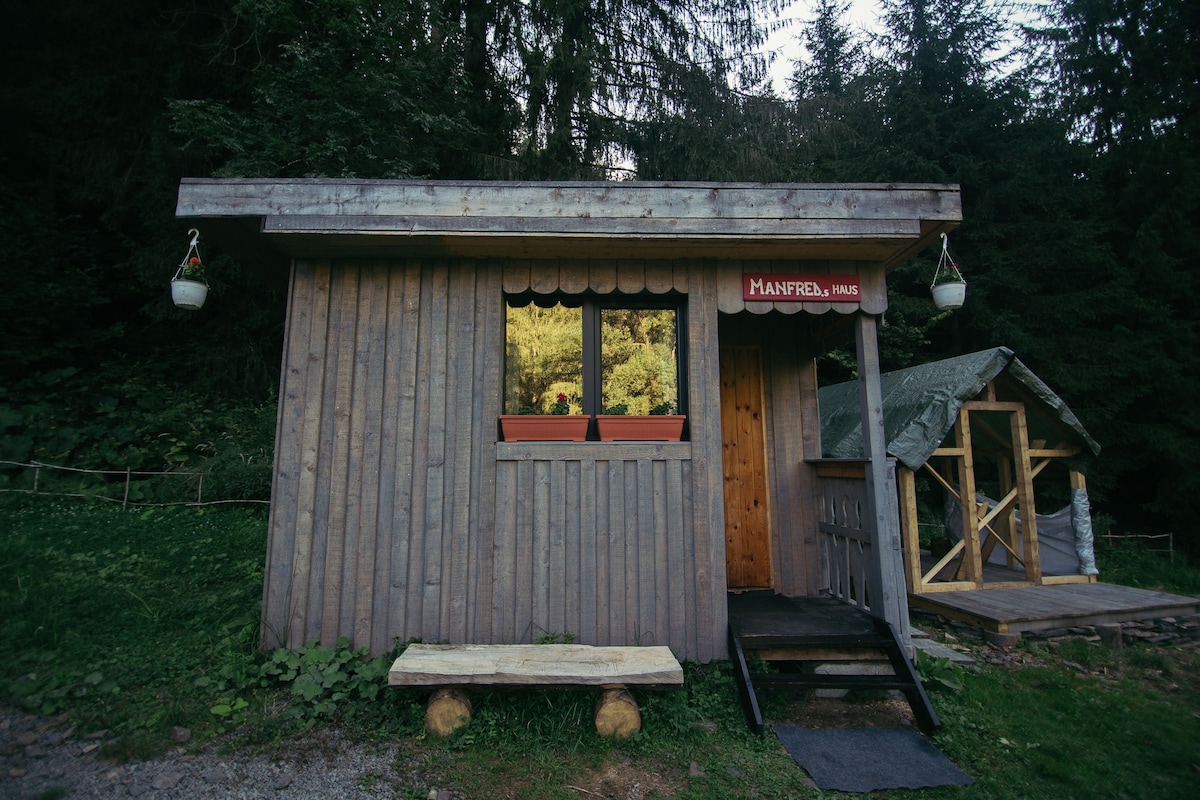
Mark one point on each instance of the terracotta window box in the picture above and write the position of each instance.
(544, 428)
(657, 428)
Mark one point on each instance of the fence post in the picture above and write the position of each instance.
(125, 499)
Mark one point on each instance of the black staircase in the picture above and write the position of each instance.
(791, 632)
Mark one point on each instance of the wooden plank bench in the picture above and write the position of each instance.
(448, 669)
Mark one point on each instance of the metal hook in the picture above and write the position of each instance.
(195, 234)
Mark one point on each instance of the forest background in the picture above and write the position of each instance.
(1072, 133)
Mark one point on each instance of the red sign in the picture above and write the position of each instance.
(801, 288)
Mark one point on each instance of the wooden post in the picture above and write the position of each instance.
(448, 710)
(617, 713)
(906, 481)
(972, 562)
(1005, 525)
(888, 599)
(1024, 476)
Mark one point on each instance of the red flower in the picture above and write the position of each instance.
(562, 398)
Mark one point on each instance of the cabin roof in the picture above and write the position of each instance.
(275, 220)
(921, 404)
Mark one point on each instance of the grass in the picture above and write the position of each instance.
(120, 617)
(139, 621)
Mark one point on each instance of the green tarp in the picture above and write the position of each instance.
(921, 404)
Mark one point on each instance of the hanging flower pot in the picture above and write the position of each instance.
(948, 288)
(949, 296)
(189, 289)
(188, 294)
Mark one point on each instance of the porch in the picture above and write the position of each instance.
(849, 563)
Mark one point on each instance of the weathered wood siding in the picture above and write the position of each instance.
(397, 514)
(380, 524)
(600, 545)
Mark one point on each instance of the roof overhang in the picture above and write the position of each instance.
(274, 220)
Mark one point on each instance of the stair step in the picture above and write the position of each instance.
(768, 641)
(796, 625)
(831, 681)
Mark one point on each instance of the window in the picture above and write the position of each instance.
(598, 352)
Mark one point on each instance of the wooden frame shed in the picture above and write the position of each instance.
(976, 419)
(398, 511)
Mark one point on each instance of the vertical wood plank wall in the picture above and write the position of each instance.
(397, 514)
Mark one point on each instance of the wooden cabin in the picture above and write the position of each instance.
(400, 511)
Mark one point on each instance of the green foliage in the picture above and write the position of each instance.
(123, 619)
(115, 420)
(322, 679)
(1163, 571)
(345, 89)
(585, 71)
(1124, 75)
(938, 673)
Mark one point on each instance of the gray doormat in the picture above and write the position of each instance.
(868, 759)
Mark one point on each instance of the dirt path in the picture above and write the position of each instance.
(44, 758)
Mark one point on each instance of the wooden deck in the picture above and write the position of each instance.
(1038, 608)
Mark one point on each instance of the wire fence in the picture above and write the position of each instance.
(104, 484)
(1146, 541)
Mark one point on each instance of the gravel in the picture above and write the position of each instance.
(47, 758)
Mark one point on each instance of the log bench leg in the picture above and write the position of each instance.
(447, 710)
(617, 713)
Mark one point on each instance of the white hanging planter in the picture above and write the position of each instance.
(949, 296)
(952, 291)
(188, 295)
(189, 289)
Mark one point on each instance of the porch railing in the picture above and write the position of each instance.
(847, 537)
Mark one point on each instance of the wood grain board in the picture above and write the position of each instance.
(535, 665)
(881, 223)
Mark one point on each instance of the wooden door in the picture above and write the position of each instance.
(744, 462)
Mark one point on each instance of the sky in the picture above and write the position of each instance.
(863, 14)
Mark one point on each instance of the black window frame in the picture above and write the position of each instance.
(593, 304)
